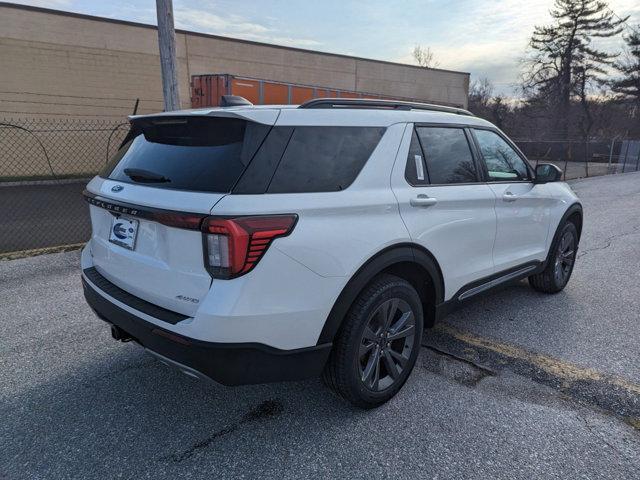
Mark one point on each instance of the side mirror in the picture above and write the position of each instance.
(548, 172)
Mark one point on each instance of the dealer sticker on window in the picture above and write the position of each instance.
(124, 232)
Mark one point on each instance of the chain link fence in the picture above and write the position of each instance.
(46, 163)
(578, 159)
(44, 166)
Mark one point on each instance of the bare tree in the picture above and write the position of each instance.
(424, 57)
(483, 102)
(499, 110)
(480, 94)
(563, 64)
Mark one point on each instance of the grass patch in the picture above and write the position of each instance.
(35, 178)
(40, 251)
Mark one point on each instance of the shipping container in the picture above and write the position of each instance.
(206, 91)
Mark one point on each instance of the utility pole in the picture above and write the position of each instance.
(168, 62)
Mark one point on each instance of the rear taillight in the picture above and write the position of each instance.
(235, 245)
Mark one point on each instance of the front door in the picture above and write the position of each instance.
(522, 207)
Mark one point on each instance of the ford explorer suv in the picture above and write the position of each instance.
(250, 244)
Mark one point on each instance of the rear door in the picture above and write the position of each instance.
(443, 203)
(147, 204)
(522, 207)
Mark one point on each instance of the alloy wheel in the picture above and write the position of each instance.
(386, 344)
(565, 257)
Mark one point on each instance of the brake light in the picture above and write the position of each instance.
(178, 220)
(235, 245)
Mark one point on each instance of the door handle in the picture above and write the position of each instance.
(509, 197)
(423, 200)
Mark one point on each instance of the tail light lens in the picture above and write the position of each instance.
(235, 245)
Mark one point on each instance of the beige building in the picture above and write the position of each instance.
(63, 65)
(68, 82)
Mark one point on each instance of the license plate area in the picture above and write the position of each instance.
(124, 232)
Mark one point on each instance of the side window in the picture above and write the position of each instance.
(324, 159)
(447, 155)
(503, 162)
(415, 172)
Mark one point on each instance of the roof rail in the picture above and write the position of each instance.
(382, 104)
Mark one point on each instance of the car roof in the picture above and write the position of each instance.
(292, 115)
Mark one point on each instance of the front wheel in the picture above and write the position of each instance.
(560, 263)
(378, 343)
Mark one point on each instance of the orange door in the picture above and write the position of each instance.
(275, 94)
(249, 89)
(300, 94)
(206, 90)
(322, 93)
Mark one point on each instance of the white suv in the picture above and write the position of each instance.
(256, 244)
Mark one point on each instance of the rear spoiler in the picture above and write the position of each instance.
(266, 116)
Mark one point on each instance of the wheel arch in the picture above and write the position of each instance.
(575, 215)
(409, 261)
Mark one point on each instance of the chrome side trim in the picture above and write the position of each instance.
(495, 282)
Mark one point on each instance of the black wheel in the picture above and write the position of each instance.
(378, 343)
(562, 257)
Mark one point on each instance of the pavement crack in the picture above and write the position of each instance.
(608, 241)
(455, 367)
(487, 370)
(265, 410)
(595, 434)
(585, 386)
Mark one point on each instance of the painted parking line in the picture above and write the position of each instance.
(612, 393)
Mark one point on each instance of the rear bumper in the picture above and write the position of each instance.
(225, 363)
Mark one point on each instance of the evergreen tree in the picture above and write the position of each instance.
(564, 64)
(629, 85)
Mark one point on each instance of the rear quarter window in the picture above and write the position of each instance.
(323, 159)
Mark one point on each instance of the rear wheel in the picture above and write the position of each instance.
(378, 343)
(560, 263)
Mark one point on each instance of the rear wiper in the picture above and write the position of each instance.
(140, 175)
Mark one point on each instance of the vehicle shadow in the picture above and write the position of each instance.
(515, 306)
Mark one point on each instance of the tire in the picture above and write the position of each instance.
(388, 306)
(562, 257)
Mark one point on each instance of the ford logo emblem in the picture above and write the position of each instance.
(120, 231)
(117, 188)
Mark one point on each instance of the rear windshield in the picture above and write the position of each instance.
(205, 154)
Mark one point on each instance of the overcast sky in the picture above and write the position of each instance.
(487, 38)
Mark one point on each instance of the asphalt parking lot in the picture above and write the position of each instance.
(43, 215)
(516, 385)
